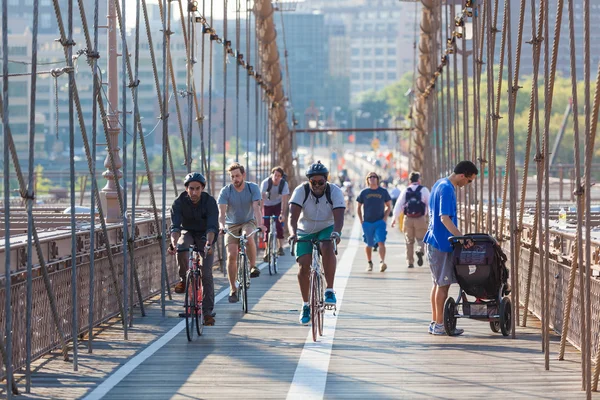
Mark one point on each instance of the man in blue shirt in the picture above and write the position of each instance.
(374, 206)
(442, 225)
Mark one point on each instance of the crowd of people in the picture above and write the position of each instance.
(316, 209)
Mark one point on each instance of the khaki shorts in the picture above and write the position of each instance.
(237, 230)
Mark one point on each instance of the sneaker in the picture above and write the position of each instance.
(438, 330)
(266, 257)
(330, 297)
(254, 272)
(209, 320)
(305, 315)
(382, 266)
(431, 326)
(410, 266)
(370, 266)
(281, 252)
(180, 287)
(420, 258)
(233, 297)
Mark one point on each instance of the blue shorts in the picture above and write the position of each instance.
(374, 232)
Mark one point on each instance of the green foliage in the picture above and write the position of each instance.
(43, 185)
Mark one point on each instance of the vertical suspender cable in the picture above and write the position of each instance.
(204, 164)
(124, 131)
(589, 151)
(165, 138)
(473, 153)
(74, 328)
(511, 171)
(225, 50)
(136, 114)
(237, 80)
(7, 302)
(30, 195)
(189, 89)
(451, 111)
(256, 103)
(248, 37)
(92, 283)
(210, 76)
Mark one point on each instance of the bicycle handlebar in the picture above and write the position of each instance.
(313, 241)
(228, 232)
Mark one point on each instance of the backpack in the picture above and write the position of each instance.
(327, 193)
(247, 185)
(414, 207)
(270, 185)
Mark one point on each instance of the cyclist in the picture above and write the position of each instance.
(194, 221)
(316, 211)
(374, 206)
(239, 211)
(275, 194)
(348, 196)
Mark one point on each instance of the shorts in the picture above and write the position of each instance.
(237, 230)
(442, 269)
(303, 248)
(374, 232)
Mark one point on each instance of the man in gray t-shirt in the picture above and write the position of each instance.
(239, 211)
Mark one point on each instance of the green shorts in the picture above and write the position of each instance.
(303, 248)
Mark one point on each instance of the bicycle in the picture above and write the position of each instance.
(243, 276)
(272, 243)
(317, 285)
(192, 302)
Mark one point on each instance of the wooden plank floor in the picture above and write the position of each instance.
(381, 348)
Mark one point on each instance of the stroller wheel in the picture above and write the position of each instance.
(449, 316)
(505, 316)
(495, 326)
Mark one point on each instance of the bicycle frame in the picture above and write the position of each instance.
(243, 273)
(271, 245)
(194, 293)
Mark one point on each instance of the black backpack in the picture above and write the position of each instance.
(306, 186)
(414, 207)
(270, 185)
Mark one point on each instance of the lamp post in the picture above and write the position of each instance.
(311, 116)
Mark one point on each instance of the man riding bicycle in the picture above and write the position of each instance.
(275, 194)
(316, 211)
(194, 221)
(239, 212)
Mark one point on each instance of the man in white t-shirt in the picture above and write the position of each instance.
(275, 195)
(413, 203)
(316, 212)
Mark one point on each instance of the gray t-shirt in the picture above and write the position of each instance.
(239, 204)
(317, 213)
(275, 195)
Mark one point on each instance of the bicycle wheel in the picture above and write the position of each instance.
(270, 252)
(274, 254)
(243, 263)
(189, 305)
(321, 301)
(199, 313)
(314, 304)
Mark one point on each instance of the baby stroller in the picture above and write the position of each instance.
(481, 272)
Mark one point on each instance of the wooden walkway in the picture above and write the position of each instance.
(378, 347)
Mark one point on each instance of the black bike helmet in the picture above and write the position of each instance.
(317, 169)
(194, 177)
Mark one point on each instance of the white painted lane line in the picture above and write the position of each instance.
(132, 364)
(310, 377)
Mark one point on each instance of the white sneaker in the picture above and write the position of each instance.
(370, 266)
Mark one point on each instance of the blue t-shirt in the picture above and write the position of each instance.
(442, 201)
(239, 204)
(374, 203)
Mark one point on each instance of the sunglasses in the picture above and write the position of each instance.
(319, 182)
(373, 177)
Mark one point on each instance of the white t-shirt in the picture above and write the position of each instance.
(402, 199)
(317, 213)
(275, 195)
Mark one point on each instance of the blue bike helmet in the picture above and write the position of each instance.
(317, 169)
(194, 177)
